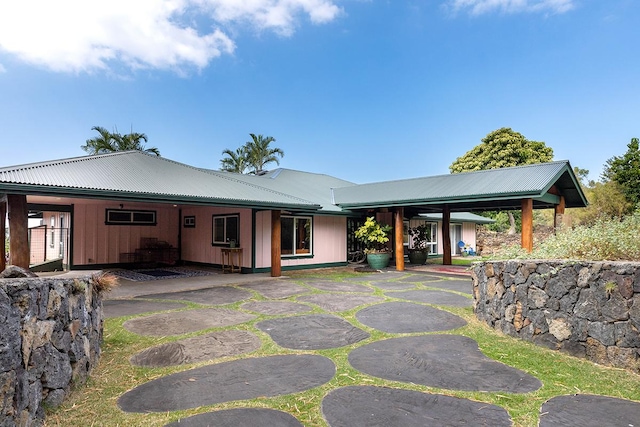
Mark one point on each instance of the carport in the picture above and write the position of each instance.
(539, 186)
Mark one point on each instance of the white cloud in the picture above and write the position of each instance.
(478, 7)
(85, 36)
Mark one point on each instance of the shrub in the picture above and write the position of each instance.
(607, 239)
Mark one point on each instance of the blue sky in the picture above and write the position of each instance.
(362, 90)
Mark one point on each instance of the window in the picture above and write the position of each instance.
(296, 235)
(189, 222)
(226, 229)
(129, 217)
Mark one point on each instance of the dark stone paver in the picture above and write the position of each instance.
(405, 317)
(433, 297)
(445, 361)
(369, 277)
(368, 406)
(393, 285)
(464, 286)
(339, 286)
(276, 289)
(419, 278)
(583, 410)
(312, 332)
(275, 308)
(211, 296)
(240, 417)
(182, 322)
(339, 302)
(198, 349)
(228, 381)
(117, 308)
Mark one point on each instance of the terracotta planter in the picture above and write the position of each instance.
(378, 261)
(418, 257)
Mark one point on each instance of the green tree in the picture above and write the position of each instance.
(109, 142)
(236, 161)
(503, 148)
(259, 153)
(625, 170)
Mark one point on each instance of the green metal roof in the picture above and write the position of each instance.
(135, 175)
(458, 217)
(305, 185)
(482, 190)
(138, 176)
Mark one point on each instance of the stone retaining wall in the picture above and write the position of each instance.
(50, 335)
(587, 309)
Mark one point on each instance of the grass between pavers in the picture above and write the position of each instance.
(95, 403)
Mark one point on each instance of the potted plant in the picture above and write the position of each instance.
(421, 237)
(374, 236)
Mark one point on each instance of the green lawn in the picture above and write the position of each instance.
(95, 403)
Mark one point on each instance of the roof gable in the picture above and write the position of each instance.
(500, 188)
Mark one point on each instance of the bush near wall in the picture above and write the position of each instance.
(587, 309)
(50, 335)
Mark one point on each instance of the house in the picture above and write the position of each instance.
(131, 207)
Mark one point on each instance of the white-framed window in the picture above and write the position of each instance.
(296, 235)
(433, 233)
(226, 229)
(129, 217)
(190, 221)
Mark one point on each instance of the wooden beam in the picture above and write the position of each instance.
(399, 239)
(3, 231)
(558, 214)
(276, 242)
(527, 224)
(446, 235)
(18, 230)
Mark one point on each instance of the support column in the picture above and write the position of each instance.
(3, 231)
(399, 239)
(18, 230)
(527, 224)
(559, 214)
(446, 235)
(276, 249)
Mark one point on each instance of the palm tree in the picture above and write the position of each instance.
(100, 144)
(236, 162)
(109, 142)
(259, 154)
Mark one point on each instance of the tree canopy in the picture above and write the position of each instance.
(253, 155)
(109, 142)
(503, 148)
(500, 149)
(625, 171)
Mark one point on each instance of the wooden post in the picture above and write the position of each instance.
(527, 224)
(3, 232)
(276, 242)
(18, 230)
(399, 239)
(558, 214)
(446, 235)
